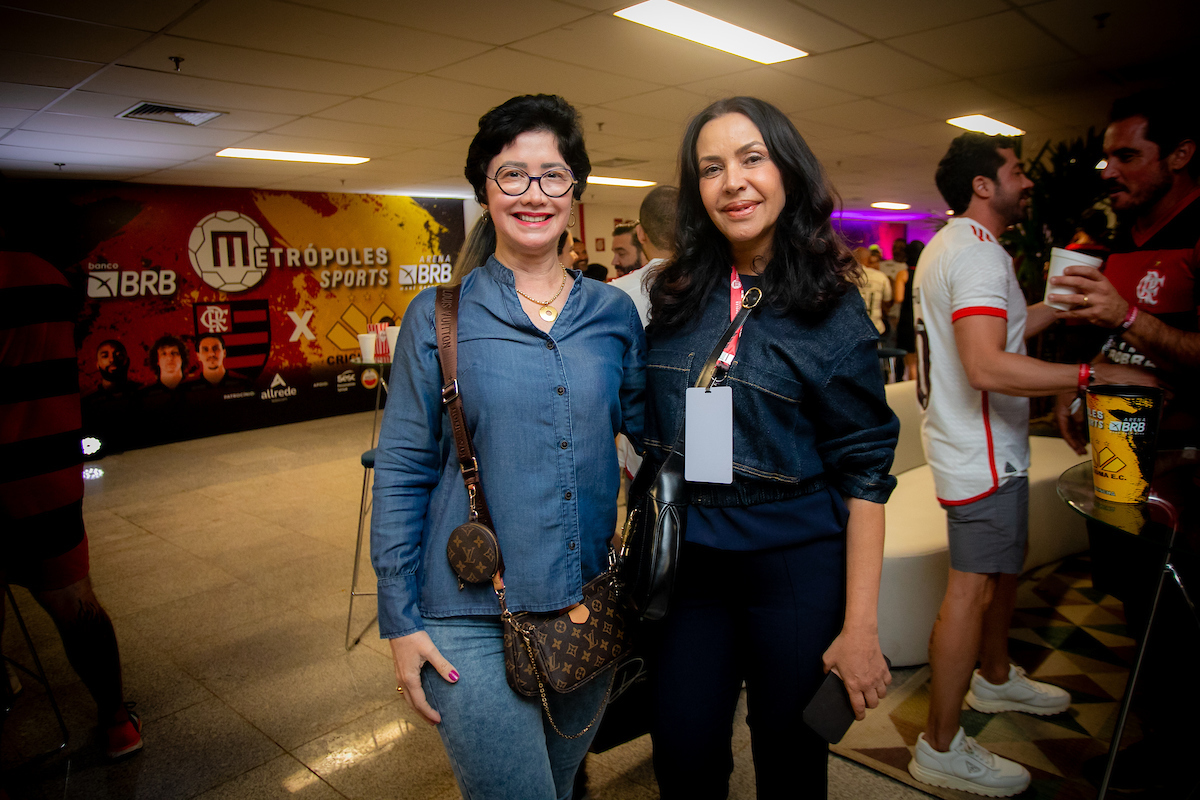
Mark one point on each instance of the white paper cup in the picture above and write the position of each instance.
(393, 333)
(1060, 259)
(366, 343)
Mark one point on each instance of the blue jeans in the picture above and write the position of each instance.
(500, 744)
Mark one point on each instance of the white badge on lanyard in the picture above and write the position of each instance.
(708, 414)
(708, 435)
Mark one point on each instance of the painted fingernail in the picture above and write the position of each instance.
(453, 676)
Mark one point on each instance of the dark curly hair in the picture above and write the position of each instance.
(530, 112)
(970, 155)
(810, 266)
(167, 341)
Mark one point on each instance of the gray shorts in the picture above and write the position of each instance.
(989, 535)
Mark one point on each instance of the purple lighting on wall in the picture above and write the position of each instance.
(879, 215)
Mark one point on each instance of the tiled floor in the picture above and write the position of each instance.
(225, 564)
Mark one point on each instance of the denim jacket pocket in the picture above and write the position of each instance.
(668, 375)
(767, 422)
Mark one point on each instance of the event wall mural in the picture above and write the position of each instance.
(208, 310)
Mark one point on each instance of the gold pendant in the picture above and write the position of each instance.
(547, 313)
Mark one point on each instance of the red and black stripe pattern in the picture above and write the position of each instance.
(41, 482)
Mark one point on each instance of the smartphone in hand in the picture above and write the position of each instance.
(829, 713)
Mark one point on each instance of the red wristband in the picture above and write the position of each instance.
(1085, 376)
(1130, 316)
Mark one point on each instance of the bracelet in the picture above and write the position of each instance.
(1086, 375)
(1130, 316)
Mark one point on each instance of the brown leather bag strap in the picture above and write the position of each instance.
(446, 330)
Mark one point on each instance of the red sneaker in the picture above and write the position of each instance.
(125, 737)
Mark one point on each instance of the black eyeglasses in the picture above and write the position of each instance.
(515, 182)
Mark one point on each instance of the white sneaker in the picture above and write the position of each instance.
(968, 767)
(1018, 693)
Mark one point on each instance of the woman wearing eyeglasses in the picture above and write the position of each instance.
(550, 368)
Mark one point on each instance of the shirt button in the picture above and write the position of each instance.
(549, 345)
(563, 444)
(567, 495)
(570, 545)
(562, 390)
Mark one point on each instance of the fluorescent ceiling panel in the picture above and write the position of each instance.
(283, 155)
(891, 206)
(992, 127)
(602, 181)
(686, 23)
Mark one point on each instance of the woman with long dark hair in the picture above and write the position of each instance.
(550, 369)
(778, 579)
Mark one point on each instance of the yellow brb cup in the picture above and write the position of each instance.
(1123, 426)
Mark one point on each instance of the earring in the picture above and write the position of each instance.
(571, 219)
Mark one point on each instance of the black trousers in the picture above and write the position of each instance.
(765, 617)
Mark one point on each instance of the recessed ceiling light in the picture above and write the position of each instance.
(992, 127)
(283, 155)
(602, 181)
(891, 206)
(1103, 164)
(686, 23)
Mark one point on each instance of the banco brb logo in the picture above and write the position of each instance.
(222, 249)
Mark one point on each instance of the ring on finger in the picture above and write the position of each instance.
(1086, 302)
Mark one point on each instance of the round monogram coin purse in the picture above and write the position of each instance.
(474, 553)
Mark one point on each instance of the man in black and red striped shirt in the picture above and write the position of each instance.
(1149, 292)
(43, 544)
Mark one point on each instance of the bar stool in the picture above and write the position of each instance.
(364, 514)
(40, 674)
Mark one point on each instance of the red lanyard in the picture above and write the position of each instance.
(735, 305)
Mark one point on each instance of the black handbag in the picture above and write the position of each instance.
(656, 520)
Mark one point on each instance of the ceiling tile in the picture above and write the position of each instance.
(522, 73)
(131, 129)
(868, 70)
(168, 87)
(244, 65)
(1130, 31)
(477, 20)
(146, 15)
(426, 91)
(788, 92)
(47, 171)
(863, 116)
(12, 117)
(72, 158)
(950, 100)
(999, 43)
(16, 95)
(932, 134)
(94, 144)
(861, 144)
(602, 119)
(1037, 85)
(783, 21)
(885, 18)
(304, 31)
(625, 48)
(817, 131)
(378, 112)
(356, 133)
(673, 105)
(54, 36)
(44, 70)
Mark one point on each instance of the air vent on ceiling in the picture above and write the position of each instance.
(612, 163)
(177, 116)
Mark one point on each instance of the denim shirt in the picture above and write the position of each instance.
(543, 410)
(809, 410)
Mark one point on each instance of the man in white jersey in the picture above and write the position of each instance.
(973, 383)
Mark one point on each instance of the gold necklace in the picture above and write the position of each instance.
(547, 311)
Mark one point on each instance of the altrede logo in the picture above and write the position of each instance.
(228, 251)
(279, 390)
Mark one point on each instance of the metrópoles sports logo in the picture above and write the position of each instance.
(228, 251)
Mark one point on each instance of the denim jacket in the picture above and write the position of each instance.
(809, 409)
(543, 410)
